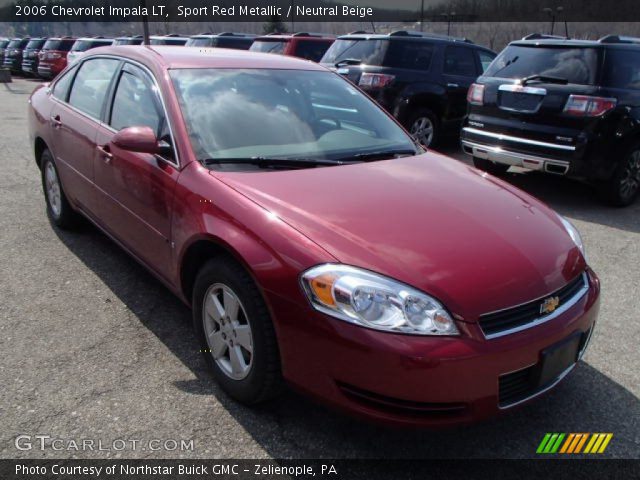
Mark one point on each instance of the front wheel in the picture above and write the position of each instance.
(624, 187)
(488, 166)
(235, 332)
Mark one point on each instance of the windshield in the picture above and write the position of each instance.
(267, 46)
(14, 43)
(168, 41)
(255, 113)
(576, 65)
(198, 42)
(34, 44)
(369, 52)
(4, 43)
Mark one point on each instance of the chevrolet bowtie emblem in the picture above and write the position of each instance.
(549, 305)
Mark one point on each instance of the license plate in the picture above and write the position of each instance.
(559, 357)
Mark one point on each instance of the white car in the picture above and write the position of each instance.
(84, 44)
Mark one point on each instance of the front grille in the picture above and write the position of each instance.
(497, 323)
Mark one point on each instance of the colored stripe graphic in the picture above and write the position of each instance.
(573, 443)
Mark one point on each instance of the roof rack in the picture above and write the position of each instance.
(413, 33)
(543, 36)
(619, 39)
(360, 32)
(235, 34)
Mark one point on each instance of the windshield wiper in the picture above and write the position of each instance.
(379, 155)
(268, 162)
(545, 79)
(348, 61)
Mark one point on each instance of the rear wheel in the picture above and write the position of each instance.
(488, 166)
(424, 127)
(235, 332)
(59, 210)
(624, 187)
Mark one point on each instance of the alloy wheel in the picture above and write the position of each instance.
(227, 331)
(52, 187)
(422, 130)
(630, 181)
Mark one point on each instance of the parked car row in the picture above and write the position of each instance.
(564, 107)
(47, 57)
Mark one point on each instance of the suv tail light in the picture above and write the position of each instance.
(475, 95)
(587, 106)
(375, 80)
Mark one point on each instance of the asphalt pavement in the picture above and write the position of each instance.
(94, 348)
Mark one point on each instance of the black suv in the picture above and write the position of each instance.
(239, 41)
(568, 107)
(30, 58)
(421, 79)
(13, 54)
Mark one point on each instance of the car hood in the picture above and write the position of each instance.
(463, 236)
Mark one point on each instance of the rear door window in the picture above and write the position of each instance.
(61, 87)
(622, 69)
(91, 84)
(577, 65)
(408, 54)
(459, 61)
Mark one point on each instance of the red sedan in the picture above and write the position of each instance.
(316, 243)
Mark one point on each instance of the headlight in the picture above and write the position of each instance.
(574, 234)
(371, 300)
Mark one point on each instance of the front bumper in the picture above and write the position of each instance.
(30, 66)
(417, 381)
(15, 65)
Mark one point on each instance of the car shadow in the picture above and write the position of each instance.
(295, 427)
(568, 197)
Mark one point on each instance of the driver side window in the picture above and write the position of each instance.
(135, 104)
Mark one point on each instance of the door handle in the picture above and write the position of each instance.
(452, 85)
(104, 151)
(55, 121)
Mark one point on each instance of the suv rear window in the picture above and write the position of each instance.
(198, 42)
(369, 52)
(84, 45)
(60, 45)
(311, 49)
(577, 65)
(268, 46)
(35, 44)
(622, 69)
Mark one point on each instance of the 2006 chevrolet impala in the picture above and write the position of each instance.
(316, 243)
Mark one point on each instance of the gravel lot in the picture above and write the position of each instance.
(94, 347)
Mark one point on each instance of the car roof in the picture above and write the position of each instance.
(404, 35)
(224, 34)
(609, 41)
(302, 35)
(168, 57)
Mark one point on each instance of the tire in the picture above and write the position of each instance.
(624, 187)
(488, 166)
(59, 211)
(223, 278)
(424, 126)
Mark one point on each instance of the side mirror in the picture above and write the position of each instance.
(137, 139)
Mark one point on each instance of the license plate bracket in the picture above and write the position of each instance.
(557, 358)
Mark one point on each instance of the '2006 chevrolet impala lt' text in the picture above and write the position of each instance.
(317, 244)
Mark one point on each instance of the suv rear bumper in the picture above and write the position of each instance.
(506, 157)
